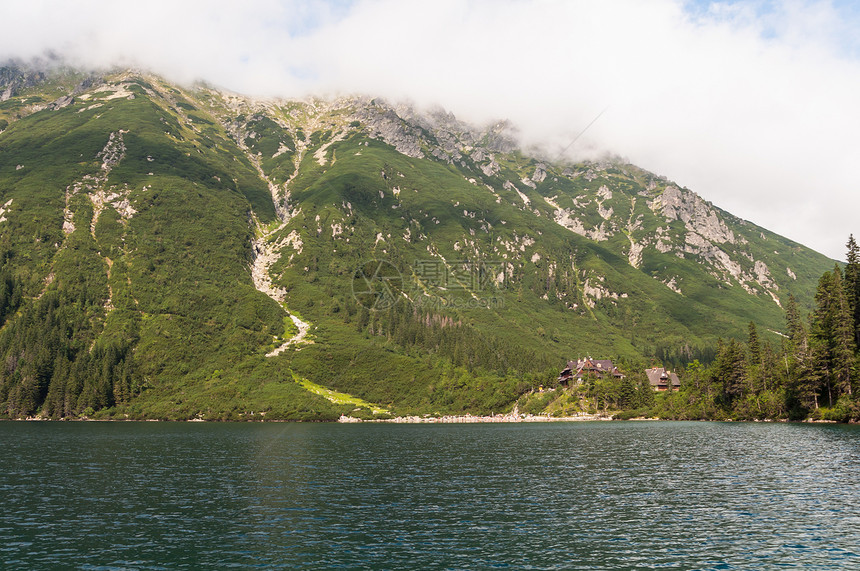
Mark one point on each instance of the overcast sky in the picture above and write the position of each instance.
(754, 105)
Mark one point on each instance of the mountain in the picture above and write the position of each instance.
(186, 252)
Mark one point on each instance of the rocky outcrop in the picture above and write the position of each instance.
(500, 138)
(385, 124)
(566, 218)
(61, 102)
(95, 186)
(14, 77)
(437, 133)
(593, 291)
(672, 285)
(730, 269)
(699, 216)
(634, 255)
(5, 209)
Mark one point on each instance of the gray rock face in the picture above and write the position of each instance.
(699, 216)
(437, 133)
(63, 101)
(385, 124)
(14, 77)
(89, 82)
(491, 169)
(501, 138)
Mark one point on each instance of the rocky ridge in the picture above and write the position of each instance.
(682, 223)
(706, 236)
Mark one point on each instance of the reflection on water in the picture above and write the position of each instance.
(540, 496)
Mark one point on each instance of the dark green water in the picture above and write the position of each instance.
(523, 496)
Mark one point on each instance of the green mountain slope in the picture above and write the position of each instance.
(181, 253)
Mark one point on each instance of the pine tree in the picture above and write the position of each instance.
(695, 377)
(769, 369)
(842, 344)
(730, 369)
(753, 344)
(821, 330)
(796, 345)
(811, 376)
(800, 366)
(644, 392)
(627, 393)
(832, 327)
(755, 358)
(831, 333)
(852, 286)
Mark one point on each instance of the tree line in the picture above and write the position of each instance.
(812, 373)
(53, 364)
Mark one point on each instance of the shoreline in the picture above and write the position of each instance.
(445, 419)
(473, 419)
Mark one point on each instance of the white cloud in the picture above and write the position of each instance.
(752, 105)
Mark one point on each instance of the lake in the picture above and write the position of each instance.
(587, 495)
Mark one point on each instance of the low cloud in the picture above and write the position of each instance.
(751, 105)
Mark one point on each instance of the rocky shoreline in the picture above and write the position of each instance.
(472, 419)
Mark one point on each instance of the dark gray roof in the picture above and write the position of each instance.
(660, 376)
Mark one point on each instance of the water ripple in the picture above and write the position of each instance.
(547, 496)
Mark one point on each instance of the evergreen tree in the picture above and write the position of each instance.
(754, 350)
(794, 325)
(821, 332)
(842, 344)
(695, 377)
(627, 393)
(644, 393)
(852, 286)
(730, 369)
(810, 377)
(832, 327)
(768, 373)
(753, 343)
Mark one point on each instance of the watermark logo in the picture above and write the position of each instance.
(438, 284)
(460, 274)
(377, 284)
(451, 302)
